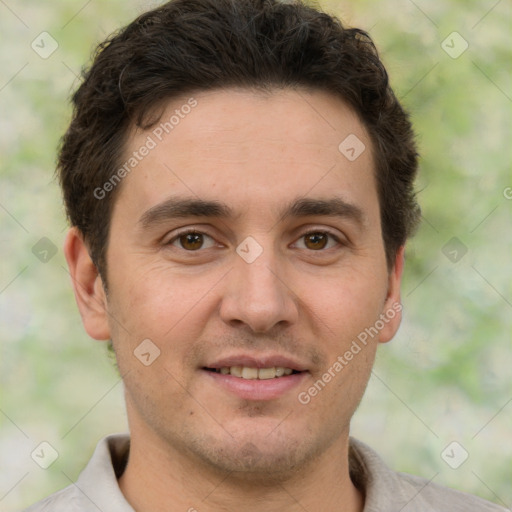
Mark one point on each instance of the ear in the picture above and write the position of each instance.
(392, 310)
(88, 286)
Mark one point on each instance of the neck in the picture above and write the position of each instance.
(160, 477)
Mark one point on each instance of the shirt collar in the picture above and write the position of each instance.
(98, 481)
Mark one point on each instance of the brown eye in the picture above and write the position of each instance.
(316, 241)
(191, 241)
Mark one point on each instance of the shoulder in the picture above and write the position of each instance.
(65, 500)
(387, 490)
(438, 498)
(97, 487)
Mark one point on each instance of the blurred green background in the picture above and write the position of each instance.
(445, 377)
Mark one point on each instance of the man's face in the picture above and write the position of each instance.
(268, 276)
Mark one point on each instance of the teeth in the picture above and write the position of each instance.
(247, 372)
(267, 373)
(236, 371)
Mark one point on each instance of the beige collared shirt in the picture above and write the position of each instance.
(385, 490)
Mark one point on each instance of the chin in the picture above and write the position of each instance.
(248, 462)
(254, 458)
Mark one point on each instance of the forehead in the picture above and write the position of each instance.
(251, 147)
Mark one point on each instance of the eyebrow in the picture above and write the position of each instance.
(334, 207)
(182, 207)
(176, 207)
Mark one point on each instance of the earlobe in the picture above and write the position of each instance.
(87, 285)
(392, 310)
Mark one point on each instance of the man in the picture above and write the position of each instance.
(239, 180)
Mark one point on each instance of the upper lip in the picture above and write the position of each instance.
(257, 361)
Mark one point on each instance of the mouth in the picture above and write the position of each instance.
(254, 373)
(261, 378)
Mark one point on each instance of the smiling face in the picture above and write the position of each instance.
(247, 240)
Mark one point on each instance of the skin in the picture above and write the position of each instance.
(194, 444)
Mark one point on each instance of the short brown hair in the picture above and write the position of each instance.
(196, 45)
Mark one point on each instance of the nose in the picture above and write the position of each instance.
(258, 295)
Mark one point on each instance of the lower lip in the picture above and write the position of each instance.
(256, 389)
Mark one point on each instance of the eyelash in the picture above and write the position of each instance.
(195, 232)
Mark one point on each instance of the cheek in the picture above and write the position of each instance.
(347, 303)
(155, 302)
